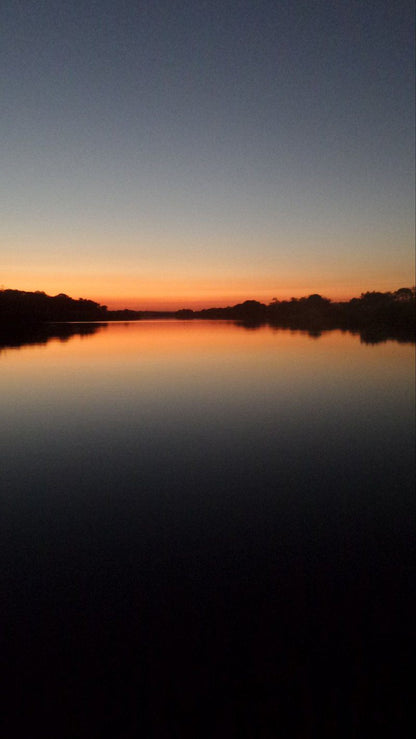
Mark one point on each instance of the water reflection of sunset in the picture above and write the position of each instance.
(175, 347)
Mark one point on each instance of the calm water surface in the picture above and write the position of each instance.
(207, 527)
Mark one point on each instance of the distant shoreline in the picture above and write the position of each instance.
(389, 314)
(31, 317)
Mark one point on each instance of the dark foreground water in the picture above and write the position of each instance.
(208, 529)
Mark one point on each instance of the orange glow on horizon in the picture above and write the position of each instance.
(118, 291)
(215, 301)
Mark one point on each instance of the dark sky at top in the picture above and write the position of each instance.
(200, 139)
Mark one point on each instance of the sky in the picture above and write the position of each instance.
(190, 153)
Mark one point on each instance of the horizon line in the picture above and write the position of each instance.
(165, 305)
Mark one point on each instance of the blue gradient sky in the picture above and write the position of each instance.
(173, 153)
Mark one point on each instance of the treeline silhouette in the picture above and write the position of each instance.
(18, 306)
(375, 315)
(21, 307)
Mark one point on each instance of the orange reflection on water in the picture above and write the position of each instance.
(173, 341)
(200, 364)
(159, 338)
